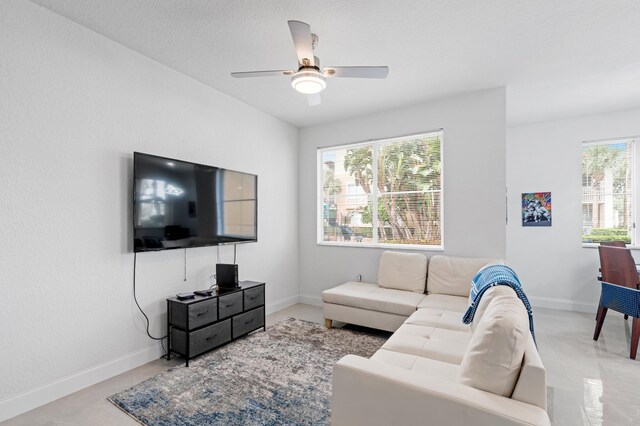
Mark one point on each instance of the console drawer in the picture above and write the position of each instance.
(253, 297)
(209, 337)
(247, 322)
(201, 340)
(230, 304)
(203, 313)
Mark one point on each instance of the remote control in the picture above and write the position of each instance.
(183, 296)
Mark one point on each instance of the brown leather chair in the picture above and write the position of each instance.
(620, 290)
(613, 243)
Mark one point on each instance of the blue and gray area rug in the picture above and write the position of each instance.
(278, 377)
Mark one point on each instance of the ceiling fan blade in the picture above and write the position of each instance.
(261, 73)
(301, 34)
(314, 100)
(357, 72)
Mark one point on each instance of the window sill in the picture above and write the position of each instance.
(384, 246)
(596, 245)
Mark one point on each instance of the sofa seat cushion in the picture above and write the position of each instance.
(433, 333)
(445, 302)
(373, 297)
(453, 275)
(429, 342)
(430, 367)
(494, 356)
(403, 271)
(438, 318)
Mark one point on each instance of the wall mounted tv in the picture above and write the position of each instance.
(177, 204)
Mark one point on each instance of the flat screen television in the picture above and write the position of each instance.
(178, 204)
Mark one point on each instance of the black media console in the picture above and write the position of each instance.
(198, 325)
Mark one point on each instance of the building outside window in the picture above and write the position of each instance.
(382, 193)
(608, 182)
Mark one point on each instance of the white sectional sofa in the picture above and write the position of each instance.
(434, 369)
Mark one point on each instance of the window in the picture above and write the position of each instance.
(608, 180)
(387, 192)
(152, 211)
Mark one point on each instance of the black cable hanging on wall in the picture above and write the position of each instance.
(135, 262)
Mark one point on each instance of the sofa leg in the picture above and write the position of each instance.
(327, 323)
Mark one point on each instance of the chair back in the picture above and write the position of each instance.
(614, 243)
(618, 267)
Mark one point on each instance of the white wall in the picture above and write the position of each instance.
(474, 183)
(73, 107)
(555, 269)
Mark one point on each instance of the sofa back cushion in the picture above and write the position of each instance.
(494, 356)
(403, 271)
(487, 297)
(453, 275)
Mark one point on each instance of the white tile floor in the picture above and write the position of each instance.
(590, 383)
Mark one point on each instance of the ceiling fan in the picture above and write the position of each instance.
(308, 79)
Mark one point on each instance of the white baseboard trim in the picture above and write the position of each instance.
(563, 304)
(43, 394)
(310, 300)
(275, 307)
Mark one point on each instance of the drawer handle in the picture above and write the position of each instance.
(229, 306)
(248, 322)
(212, 337)
(203, 313)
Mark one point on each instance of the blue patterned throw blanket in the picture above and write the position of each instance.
(490, 276)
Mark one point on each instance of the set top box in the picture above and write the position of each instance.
(227, 275)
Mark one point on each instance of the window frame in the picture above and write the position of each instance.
(375, 143)
(635, 175)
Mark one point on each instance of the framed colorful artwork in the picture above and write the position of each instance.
(536, 209)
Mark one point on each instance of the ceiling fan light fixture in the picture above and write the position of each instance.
(308, 82)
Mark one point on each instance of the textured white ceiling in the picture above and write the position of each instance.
(557, 58)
